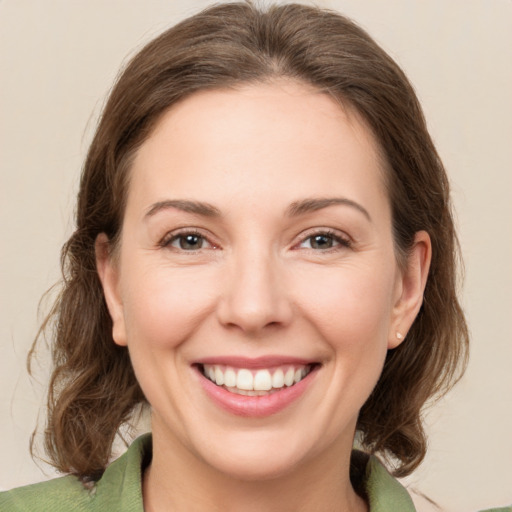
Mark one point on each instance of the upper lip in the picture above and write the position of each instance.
(267, 361)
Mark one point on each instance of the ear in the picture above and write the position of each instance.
(410, 288)
(108, 272)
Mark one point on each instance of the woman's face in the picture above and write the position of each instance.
(256, 252)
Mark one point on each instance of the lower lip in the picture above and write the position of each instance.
(256, 406)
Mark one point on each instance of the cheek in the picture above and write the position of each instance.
(162, 306)
(352, 307)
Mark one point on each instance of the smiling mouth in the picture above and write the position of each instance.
(252, 382)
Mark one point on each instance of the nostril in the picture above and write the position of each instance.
(252, 297)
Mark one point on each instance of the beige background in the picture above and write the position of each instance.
(58, 59)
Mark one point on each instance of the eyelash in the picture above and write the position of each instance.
(341, 241)
(174, 236)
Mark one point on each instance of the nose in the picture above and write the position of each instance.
(255, 297)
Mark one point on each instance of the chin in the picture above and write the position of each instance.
(263, 454)
(256, 465)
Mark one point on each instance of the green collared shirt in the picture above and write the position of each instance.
(119, 489)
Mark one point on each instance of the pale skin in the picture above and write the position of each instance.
(258, 224)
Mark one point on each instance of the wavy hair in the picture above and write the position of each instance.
(93, 389)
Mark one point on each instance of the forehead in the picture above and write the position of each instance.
(276, 140)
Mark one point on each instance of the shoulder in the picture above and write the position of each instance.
(119, 489)
(386, 493)
(383, 491)
(56, 495)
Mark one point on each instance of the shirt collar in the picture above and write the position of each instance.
(120, 487)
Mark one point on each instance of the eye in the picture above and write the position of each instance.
(324, 241)
(187, 241)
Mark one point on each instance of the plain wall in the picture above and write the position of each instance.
(58, 60)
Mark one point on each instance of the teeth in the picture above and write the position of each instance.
(262, 380)
(289, 377)
(254, 382)
(230, 378)
(278, 379)
(219, 376)
(244, 380)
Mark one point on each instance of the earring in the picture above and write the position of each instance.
(399, 335)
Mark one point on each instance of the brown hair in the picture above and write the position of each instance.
(93, 389)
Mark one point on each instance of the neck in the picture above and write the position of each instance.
(179, 481)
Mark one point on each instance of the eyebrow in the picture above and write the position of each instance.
(294, 210)
(197, 207)
(313, 204)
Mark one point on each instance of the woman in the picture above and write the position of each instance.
(265, 254)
